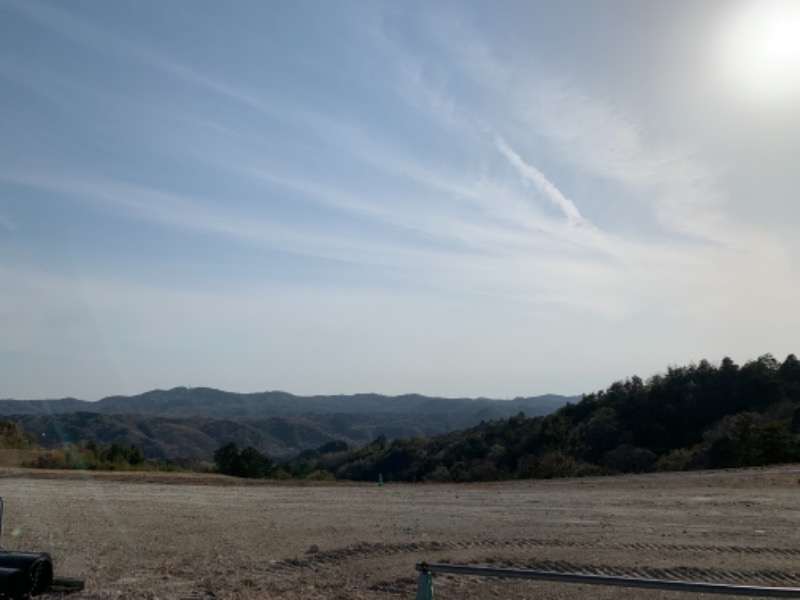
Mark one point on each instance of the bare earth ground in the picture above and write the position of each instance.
(172, 537)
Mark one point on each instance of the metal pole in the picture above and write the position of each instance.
(634, 582)
(424, 584)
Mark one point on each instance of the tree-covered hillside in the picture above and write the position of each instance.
(694, 417)
(13, 437)
(190, 423)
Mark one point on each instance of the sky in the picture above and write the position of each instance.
(458, 198)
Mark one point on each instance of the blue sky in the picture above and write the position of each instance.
(453, 198)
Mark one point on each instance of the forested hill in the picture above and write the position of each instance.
(191, 423)
(694, 417)
(218, 404)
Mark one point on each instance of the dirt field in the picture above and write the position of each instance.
(184, 537)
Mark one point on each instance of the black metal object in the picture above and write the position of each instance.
(13, 583)
(25, 574)
(633, 582)
(37, 568)
(67, 585)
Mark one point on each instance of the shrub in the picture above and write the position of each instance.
(679, 459)
(320, 475)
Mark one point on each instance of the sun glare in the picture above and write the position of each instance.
(758, 52)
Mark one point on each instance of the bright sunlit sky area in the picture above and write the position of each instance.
(461, 199)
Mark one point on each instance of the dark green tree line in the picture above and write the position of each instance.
(248, 462)
(692, 417)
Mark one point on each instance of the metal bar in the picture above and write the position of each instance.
(634, 582)
(425, 586)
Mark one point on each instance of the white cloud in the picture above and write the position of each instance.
(588, 132)
(543, 185)
(160, 208)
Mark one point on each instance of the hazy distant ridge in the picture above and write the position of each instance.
(193, 422)
(209, 402)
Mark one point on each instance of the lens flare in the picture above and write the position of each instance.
(758, 52)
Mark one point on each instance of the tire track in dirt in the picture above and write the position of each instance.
(362, 551)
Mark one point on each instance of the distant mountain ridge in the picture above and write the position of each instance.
(193, 422)
(210, 402)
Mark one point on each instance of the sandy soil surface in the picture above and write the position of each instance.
(186, 537)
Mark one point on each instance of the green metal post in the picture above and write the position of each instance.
(425, 585)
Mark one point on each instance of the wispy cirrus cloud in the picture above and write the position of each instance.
(84, 34)
(670, 176)
(493, 214)
(543, 185)
(589, 132)
(700, 248)
(174, 210)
